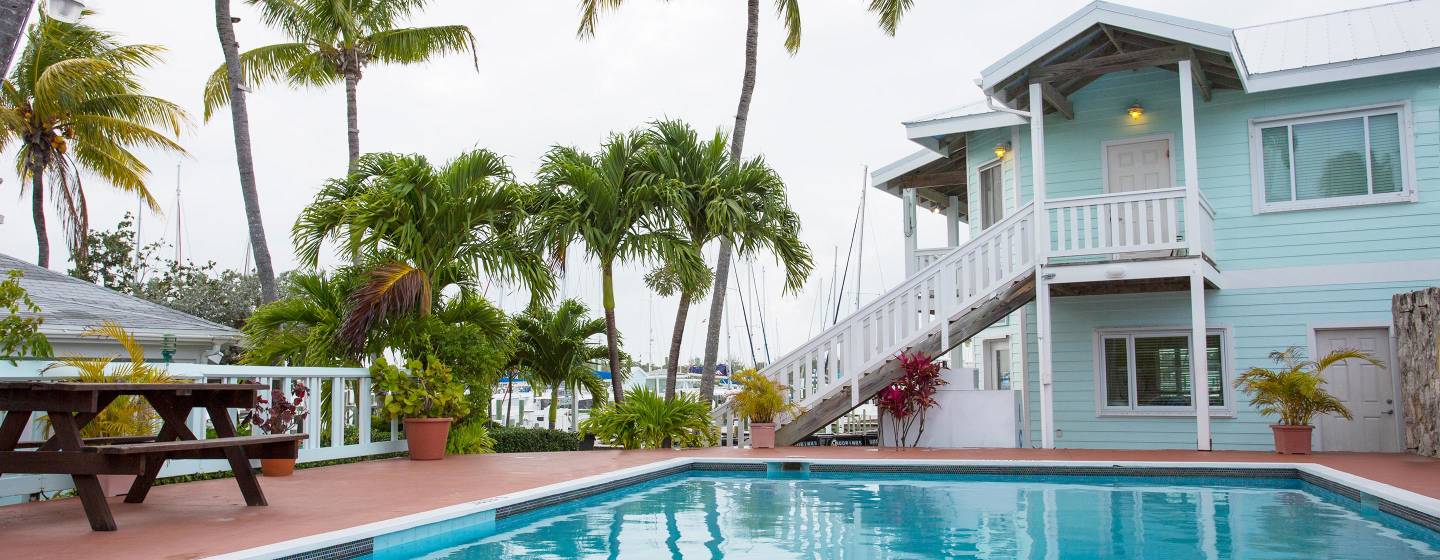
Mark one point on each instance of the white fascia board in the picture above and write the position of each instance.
(1204, 35)
(880, 178)
(1341, 71)
(930, 131)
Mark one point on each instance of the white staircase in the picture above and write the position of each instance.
(977, 284)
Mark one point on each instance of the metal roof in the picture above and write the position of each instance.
(1404, 34)
(71, 305)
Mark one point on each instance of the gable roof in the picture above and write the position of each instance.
(71, 305)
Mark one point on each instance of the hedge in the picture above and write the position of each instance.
(531, 440)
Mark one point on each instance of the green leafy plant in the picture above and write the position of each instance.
(424, 389)
(469, 438)
(20, 334)
(646, 420)
(761, 399)
(127, 415)
(533, 440)
(553, 350)
(1295, 391)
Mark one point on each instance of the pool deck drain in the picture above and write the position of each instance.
(200, 519)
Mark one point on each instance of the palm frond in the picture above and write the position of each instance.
(413, 45)
(394, 288)
(890, 13)
(789, 13)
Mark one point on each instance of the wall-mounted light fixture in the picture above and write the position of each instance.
(1001, 149)
(1135, 111)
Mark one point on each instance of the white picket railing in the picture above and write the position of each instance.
(927, 257)
(1128, 222)
(337, 428)
(902, 318)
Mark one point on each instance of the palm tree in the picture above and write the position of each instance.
(73, 103)
(553, 349)
(744, 204)
(618, 210)
(416, 229)
(1295, 390)
(889, 12)
(334, 41)
(244, 159)
(302, 329)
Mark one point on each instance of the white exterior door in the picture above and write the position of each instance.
(997, 364)
(1368, 391)
(1137, 166)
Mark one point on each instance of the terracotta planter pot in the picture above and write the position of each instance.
(762, 435)
(1292, 440)
(115, 484)
(426, 437)
(278, 467)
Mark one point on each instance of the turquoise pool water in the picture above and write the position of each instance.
(868, 515)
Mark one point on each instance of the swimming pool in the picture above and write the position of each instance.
(842, 513)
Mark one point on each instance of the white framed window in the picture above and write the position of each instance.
(1348, 157)
(1147, 372)
(992, 193)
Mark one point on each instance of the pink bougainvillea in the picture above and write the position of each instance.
(907, 399)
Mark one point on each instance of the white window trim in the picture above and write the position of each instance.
(1227, 352)
(1408, 192)
(997, 164)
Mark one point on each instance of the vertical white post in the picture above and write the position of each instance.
(852, 361)
(907, 224)
(1192, 165)
(1042, 248)
(337, 411)
(1199, 366)
(1024, 346)
(952, 222)
(364, 406)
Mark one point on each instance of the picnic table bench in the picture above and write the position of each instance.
(71, 406)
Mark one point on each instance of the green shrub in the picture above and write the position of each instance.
(531, 440)
(424, 389)
(469, 438)
(646, 420)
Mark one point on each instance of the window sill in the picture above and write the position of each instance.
(1162, 413)
(1337, 202)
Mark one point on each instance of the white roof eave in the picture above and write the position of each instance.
(1341, 71)
(928, 133)
(880, 178)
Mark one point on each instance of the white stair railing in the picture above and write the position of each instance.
(902, 317)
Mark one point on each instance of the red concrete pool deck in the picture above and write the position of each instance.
(199, 519)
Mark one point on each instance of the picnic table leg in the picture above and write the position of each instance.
(82, 419)
(11, 429)
(67, 438)
(174, 412)
(142, 484)
(249, 486)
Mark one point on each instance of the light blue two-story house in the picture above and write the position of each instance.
(1148, 197)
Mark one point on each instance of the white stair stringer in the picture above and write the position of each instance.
(985, 279)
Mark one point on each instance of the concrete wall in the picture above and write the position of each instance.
(965, 417)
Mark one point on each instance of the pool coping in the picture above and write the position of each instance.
(355, 541)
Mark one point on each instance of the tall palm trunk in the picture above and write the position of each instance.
(611, 336)
(554, 403)
(672, 364)
(722, 262)
(509, 396)
(37, 212)
(352, 108)
(240, 117)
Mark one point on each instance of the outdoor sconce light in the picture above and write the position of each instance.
(1135, 111)
(1001, 149)
(167, 347)
(68, 11)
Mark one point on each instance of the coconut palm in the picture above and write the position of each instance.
(73, 104)
(617, 210)
(244, 158)
(335, 41)
(1295, 390)
(743, 204)
(417, 229)
(553, 350)
(302, 328)
(889, 12)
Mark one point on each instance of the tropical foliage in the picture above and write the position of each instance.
(424, 389)
(20, 334)
(553, 350)
(280, 413)
(906, 401)
(335, 41)
(761, 399)
(127, 415)
(73, 103)
(469, 438)
(302, 328)
(617, 210)
(646, 419)
(1295, 390)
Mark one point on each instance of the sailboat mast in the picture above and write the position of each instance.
(860, 265)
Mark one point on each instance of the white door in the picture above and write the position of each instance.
(997, 364)
(1137, 166)
(1366, 390)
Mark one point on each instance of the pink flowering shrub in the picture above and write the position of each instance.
(907, 399)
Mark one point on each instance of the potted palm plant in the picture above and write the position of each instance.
(1295, 391)
(278, 415)
(427, 397)
(762, 400)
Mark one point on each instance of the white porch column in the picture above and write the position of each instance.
(907, 224)
(1192, 165)
(952, 222)
(1199, 359)
(1042, 286)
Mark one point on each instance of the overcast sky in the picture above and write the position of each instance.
(819, 117)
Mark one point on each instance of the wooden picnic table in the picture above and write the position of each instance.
(71, 406)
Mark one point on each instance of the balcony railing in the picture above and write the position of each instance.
(1129, 224)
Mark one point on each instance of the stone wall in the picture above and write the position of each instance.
(1417, 334)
